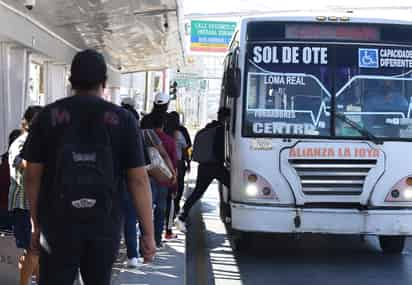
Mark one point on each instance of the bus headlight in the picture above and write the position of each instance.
(407, 194)
(252, 190)
(401, 192)
(257, 187)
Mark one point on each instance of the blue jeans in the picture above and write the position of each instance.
(22, 228)
(159, 196)
(130, 230)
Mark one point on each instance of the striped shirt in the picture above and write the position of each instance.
(17, 197)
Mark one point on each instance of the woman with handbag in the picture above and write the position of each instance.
(162, 170)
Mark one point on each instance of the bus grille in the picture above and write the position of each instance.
(332, 177)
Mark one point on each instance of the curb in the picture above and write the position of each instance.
(197, 265)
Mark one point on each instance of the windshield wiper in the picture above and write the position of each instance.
(359, 128)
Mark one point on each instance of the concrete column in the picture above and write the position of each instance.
(55, 81)
(14, 67)
(18, 77)
(146, 107)
(5, 104)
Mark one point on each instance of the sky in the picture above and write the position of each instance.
(224, 6)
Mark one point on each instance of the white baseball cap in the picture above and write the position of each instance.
(161, 98)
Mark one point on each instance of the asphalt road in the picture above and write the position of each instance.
(310, 259)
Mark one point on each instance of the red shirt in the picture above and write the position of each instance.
(170, 145)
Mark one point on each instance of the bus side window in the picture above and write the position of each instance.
(230, 102)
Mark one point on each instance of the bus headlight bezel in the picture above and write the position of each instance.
(401, 191)
(257, 187)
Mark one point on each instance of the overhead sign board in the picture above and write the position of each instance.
(211, 36)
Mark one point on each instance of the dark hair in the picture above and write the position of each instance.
(158, 120)
(29, 115)
(88, 70)
(146, 122)
(223, 113)
(160, 108)
(176, 115)
(132, 110)
(172, 123)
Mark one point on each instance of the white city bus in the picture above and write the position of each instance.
(320, 136)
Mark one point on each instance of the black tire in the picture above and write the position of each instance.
(241, 241)
(392, 244)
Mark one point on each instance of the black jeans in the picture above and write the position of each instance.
(61, 260)
(206, 173)
(170, 212)
(181, 172)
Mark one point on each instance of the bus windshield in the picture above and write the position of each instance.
(297, 90)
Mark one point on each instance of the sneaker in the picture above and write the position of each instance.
(133, 262)
(170, 236)
(159, 245)
(181, 225)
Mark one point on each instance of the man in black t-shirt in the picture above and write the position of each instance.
(67, 246)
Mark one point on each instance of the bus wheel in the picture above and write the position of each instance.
(392, 244)
(241, 241)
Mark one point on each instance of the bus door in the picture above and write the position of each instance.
(230, 84)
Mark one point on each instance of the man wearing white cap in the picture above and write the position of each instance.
(161, 102)
(160, 106)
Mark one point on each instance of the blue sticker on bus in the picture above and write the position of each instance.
(368, 58)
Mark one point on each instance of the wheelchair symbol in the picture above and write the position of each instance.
(368, 58)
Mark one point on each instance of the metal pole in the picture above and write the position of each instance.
(146, 92)
(165, 88)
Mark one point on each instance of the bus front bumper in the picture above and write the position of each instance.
(272, 219)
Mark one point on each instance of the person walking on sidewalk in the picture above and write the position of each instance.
(131, 233)
(159, 189)
(77, 153)
(184, 159)
(160, 106)
(211, 169)
(172, 128)
(163, 189)
(5, 215)
(29, 262)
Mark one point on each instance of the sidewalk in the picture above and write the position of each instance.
(167, 269)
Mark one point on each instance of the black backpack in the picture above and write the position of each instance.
(203, 145)
(85, 180)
